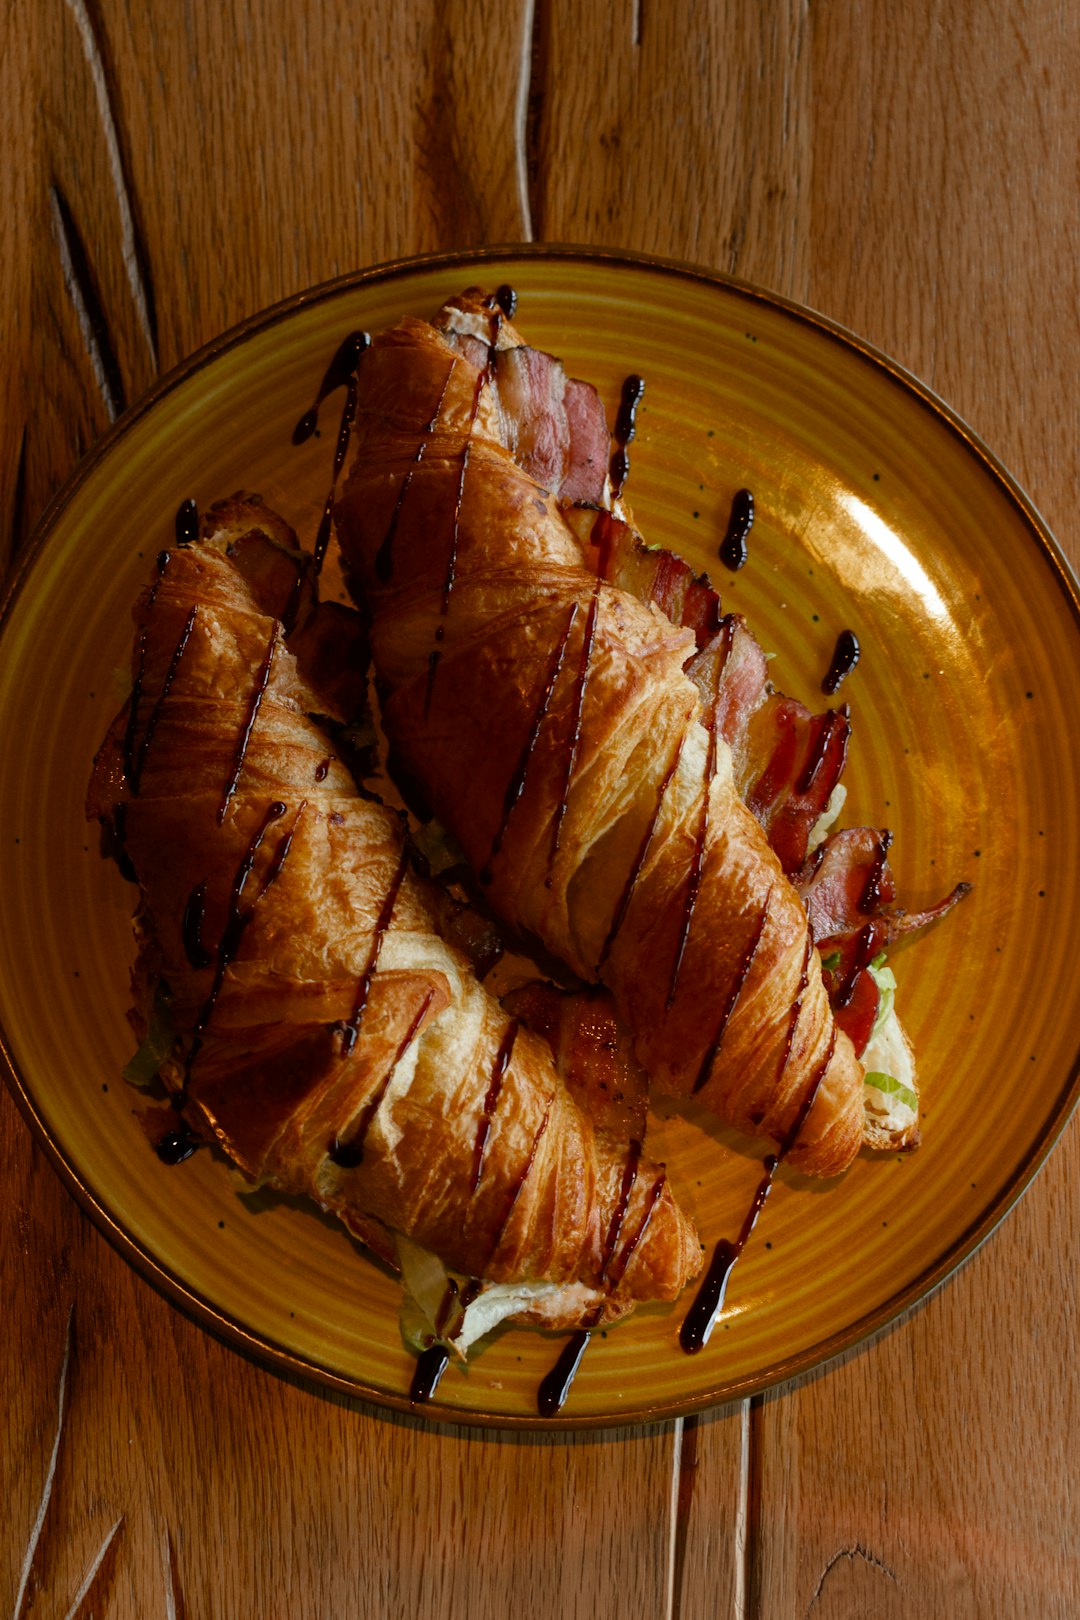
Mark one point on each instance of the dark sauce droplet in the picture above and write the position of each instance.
(844, 659)
(625, 428)
(306, 426)
(733, 548)
(429, 1370)
(710, 1297)
(187, 523)
(506, 298)
(176, 1146)
(554, 1389)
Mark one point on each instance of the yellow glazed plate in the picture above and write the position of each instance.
(876, 511)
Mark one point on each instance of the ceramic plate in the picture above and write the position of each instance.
(876, 511)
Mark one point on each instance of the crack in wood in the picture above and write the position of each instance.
(132, 238)
(174, 1593)
(24, 1599)
(521, 119)
(82, 290)
(94, 1588)
(684, 1475)
(753, 1451)
(531, 100)
(856, 1550)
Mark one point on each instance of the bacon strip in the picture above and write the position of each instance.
(849, 889)
(553, 425)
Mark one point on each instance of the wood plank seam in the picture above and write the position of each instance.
(132, 247)
(522, 117)
(532, 91)
(97, 1578)
(81, 287)
(743, 1539)
(21, 1607)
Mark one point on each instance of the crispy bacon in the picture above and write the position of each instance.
(585, 419)
(786, 760)
(849, 890)
(652, 575)
(849, 881)
(553, 425)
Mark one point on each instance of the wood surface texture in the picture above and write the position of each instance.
(172, 166)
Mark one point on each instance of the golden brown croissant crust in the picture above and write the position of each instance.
(548, 716)
(335, 1044)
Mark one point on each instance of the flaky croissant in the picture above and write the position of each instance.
(549, 718)
(334, 1043)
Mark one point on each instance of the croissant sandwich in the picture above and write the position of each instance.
(328, 1031)
(604, 744)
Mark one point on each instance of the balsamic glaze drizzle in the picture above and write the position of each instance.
(516, 1189)
(427, 1374)
(642, 854)
(588, 637)
(236, 922)
(186, 526)
(870, 941)
(507, 299)
(625, 428)
(339, 373)
(793, 1023)
(384, 557)
(350, 1153)
(733, 995)
(135, 773)
(262, 681)
(433, 1360)
(652, 1198)
(698, 860)
(733, 547)
(351, 1029)
(176, 1146)
(498, 1074)
(618, 1214)
(163, 560)
(844, 659)
(451, 565)
(701, 1317)
(555, 1387)
(516, 785)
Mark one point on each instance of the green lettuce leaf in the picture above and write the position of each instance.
(158, 1043)
(890, 1087)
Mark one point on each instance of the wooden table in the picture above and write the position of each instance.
(170, 168)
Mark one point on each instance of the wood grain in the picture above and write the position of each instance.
(157, 1466)
(910, 171)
